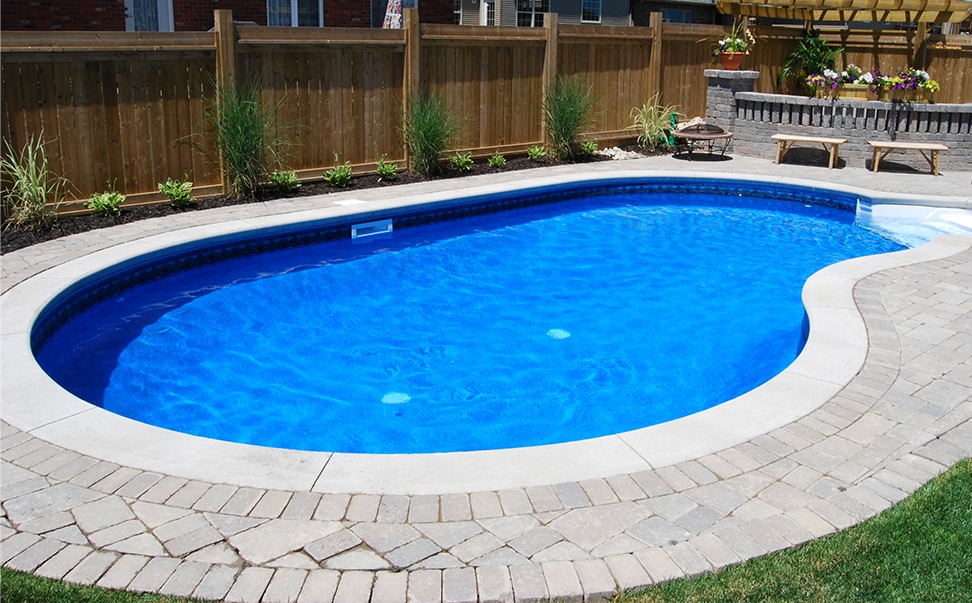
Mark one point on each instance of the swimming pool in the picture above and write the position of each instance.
(570, 355)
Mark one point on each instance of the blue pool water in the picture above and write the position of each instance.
(543, 324)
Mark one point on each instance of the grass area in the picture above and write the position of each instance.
(919, 550)
(17, 587)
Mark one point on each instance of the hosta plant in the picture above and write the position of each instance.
(285, 181)
(179, 192)
(461, 162)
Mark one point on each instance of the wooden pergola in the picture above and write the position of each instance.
(879, 11)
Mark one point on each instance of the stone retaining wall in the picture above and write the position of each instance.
(754, 117)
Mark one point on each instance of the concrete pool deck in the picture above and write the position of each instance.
(885, 429)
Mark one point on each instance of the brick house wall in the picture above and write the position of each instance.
(197, 15)
(69, 15)
(188, 15)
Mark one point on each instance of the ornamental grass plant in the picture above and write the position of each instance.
(429, 128)
(29, 185)
(247, 139)
(653, 121)
(567, 109)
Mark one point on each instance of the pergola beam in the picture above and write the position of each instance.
(884, 11)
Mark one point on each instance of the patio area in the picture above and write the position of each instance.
(900, 420)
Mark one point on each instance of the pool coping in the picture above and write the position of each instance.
(833, 355)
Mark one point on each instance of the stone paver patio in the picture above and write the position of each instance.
(903, 419)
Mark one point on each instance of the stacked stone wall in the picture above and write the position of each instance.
(754, 117)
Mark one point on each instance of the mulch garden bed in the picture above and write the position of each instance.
(14, 238)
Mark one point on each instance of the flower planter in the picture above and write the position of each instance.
(731, 60)
(895, 95)
(825, 91)
(853, 91)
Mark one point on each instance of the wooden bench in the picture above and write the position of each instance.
(785, 141)
(881, 150)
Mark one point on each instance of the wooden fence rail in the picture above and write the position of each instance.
(129, 110)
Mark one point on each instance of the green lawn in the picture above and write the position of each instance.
(919, 550)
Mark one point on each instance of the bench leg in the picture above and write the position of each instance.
(935, 155)
(833, 156)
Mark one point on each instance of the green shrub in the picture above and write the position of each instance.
(461, 162)
(589, 147)
(247, 142)
(497, 159)
(284, 181)
(567, 109)
(107, 203)
(178, 192)
(386, 171)
(653, 122)
(339, 175)
(429, 127)
(812, 55)
(29, 185)
(536, 153)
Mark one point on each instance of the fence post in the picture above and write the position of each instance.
(225, 70)
(550, 61)
(655, 62)
(412, 79)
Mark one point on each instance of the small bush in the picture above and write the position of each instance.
(178, 192)
(107, 203)
(429, 128)
(589, 147)
(536, 153)
(284, 181)
(31, 185)
(497, 159)
(461, 162)
(386, 171)
(653, 122)
(339, 175)
(567, 109)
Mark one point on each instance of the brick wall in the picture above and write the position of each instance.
(197, 15)
(754, 117)
(68, 15)
(339, 13)
(437, 11)
(189, 15)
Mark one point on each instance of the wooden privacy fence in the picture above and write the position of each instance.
(129, 110)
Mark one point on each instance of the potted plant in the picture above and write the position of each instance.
(855, 83)
(912, 85)
(730, 50)
(824, 84)
(811, 56)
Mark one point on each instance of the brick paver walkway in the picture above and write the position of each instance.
(903, 420)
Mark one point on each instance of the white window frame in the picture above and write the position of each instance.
(485, 8)
(600, 11)
(166, 19)
(293, 14)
